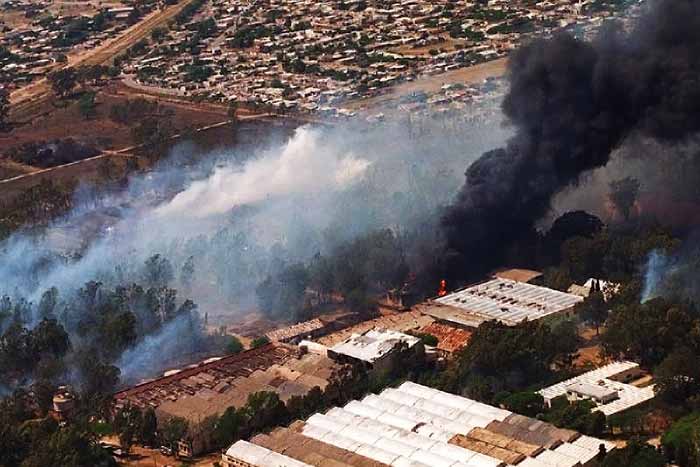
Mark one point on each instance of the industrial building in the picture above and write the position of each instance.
(211, 387)
(607, 386)
(377, 350)
(505, 300)
(417, 426)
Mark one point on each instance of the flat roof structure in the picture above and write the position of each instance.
(260, 457)
(519, 275)
(508, 301)
(209, 388)
(373, 345)
(605, 380)
(418, 426)
(302, 329)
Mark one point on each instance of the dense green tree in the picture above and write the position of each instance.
(263, 410)
(148, 432)
(87, 105)
(677, 378)
(63, 81)
(525, 403)
(637, 453)
(4, 107)
(593, 310)
(259, 342)
(234, 345)
(173, 430)
(648, 332)
(682, 441)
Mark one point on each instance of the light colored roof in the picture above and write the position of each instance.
(295, 330)
(509, 301)
(260, 456)
(591, 390)
(628, 395)
(373, 344)
(520, 275)
(414, 426)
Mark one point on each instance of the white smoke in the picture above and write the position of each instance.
(305, 165)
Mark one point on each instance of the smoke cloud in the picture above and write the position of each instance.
(298, 168)
(228, 218)
(572, 104)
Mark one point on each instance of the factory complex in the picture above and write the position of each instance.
(417, 426)
(412, 425)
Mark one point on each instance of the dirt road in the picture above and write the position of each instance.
(29, 100)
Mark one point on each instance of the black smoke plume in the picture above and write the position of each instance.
(572, 103)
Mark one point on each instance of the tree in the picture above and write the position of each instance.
(263, 410)
(525, 403)
(234, 345)
(623, 194)
(63, 81)
(87, 106)
(678, 376)
(173, 430)
(158, 271)
(232, 110)
(593, 309)
(682, 441)
(230, 427)
(4, 107)
(637, 453)
(47, 304)
(149, 428)
(259, 342)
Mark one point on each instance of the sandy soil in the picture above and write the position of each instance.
(100, 131)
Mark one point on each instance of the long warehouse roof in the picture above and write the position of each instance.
(510, 301)
(418, 426)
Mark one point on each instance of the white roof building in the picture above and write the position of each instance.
(373, 345)
(509, 301)
(603, 385)
(257, 456)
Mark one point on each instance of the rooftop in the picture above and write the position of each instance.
(604, 379)
(509, 301)
(373, 344)
(450, 339)
(211, 387)
(418, 426)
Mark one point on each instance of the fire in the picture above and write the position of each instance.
(442, 291)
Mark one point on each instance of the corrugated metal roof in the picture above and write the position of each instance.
(510, 301)
(414, 426)
(557, 459)
(260, 456)
(373, 344)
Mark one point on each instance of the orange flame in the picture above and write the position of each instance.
(442, 291)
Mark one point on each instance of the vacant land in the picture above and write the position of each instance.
(100, 131)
